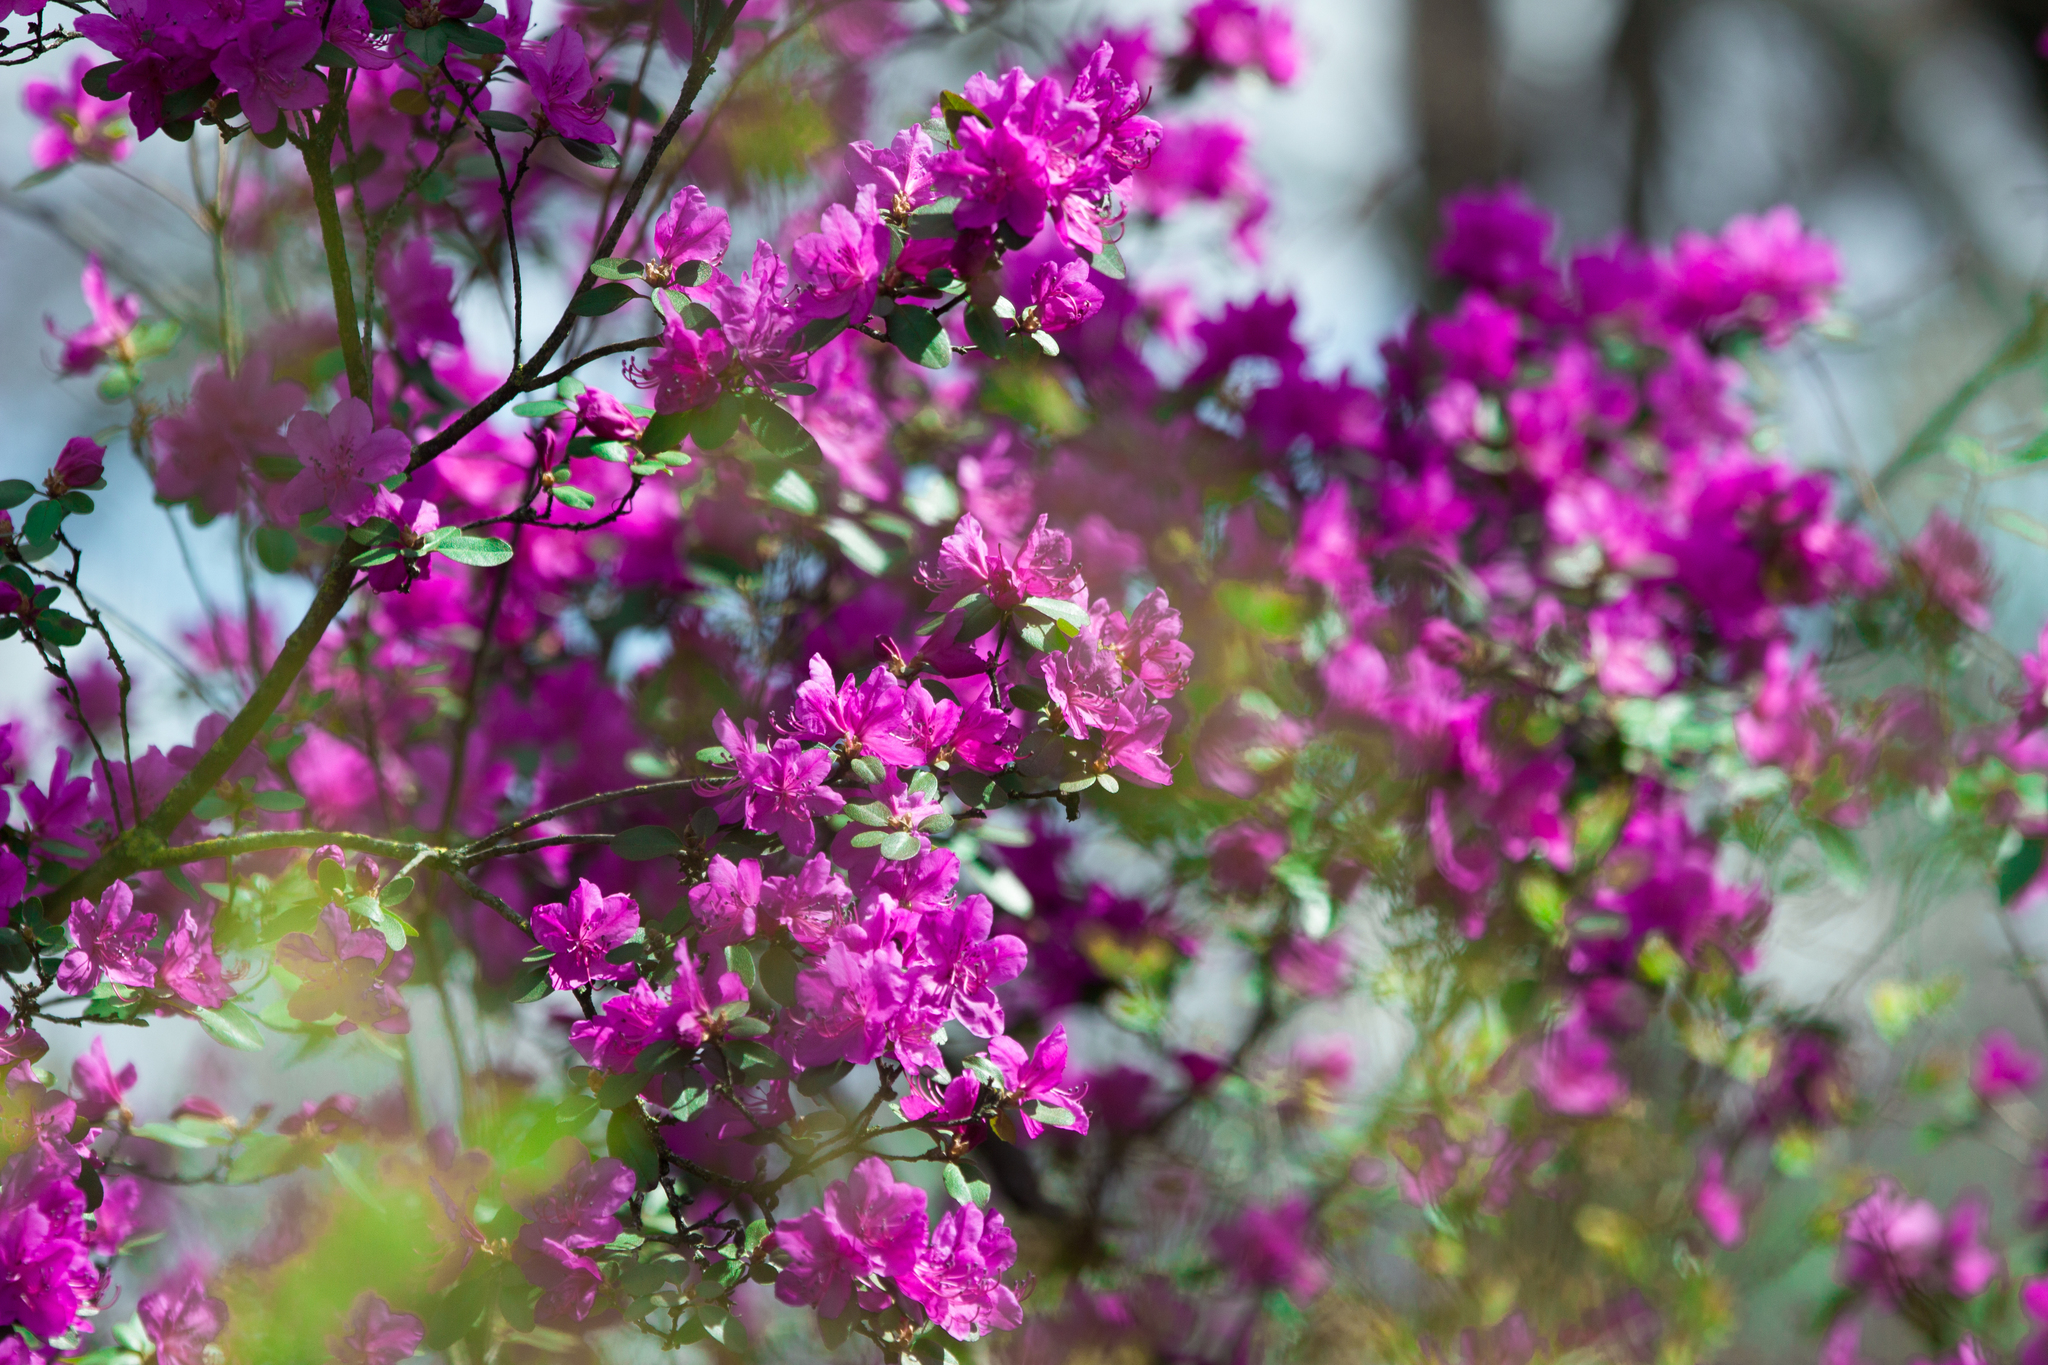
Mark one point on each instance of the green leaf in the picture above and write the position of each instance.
(370, 559)
(985, 330)
(278, 801)
(43, 520)
(868, 812)
(1266, 609)
(1072, 619)
(933, 220)
(644, 842)
(2016, 522)
(591, 153)
(629, 1141)
(532, 983)
(569, 495)
(793, 493)
(779, 433)
(868, 838)
(2017, 873)
(617, 1091)
(758, 1060)
(739, 960)
(502, 121)
(861, 549)
(61, 628)
(482, 552)
(395, 891)
(954, 107)
(95, 80)
(868, 770)
(619, 268)
(605, 298)
(233, 1025)
(816, 333)
(690, 274)
(918, 333)
(963, 1189)
(263, 1155)
(15, 492)
(1846, 860)
(475, 40)
(900, 846)
(178, 1135)
(276, 548)
(1108, 261)
(542, 407)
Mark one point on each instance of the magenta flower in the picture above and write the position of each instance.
(560, 77)
(808, 905)
(870, 1224)
(1269, 1248)
(779, 790)
(842, 263)
(685, 372)
(1085, 684)
(2003, 1068)
(728, 902)
(206, 450)
(1131, 739)
(417, 299)
(1040, 1080)
(968, 564)
(863, 718)
(972, 731)
(345, 971)
(1573, 1072)
(692, 229)
(581, 932)
(98, 1088)
(412, 520)
(577, 1215)
(344, 458)
(79, 465)
(1719, 1210)
(112, 940)
(266, 65)
(1233, 35)
(179, 1318)
(1062, 296)
(756, 315)
(900, 174)
(1900, 1247)
(958, 1275)
(955, 1104)
(106, 336)
(76, 126)
(956, 954)
(1953, 569)
(46, 1272)
(376, 1335)
(606, 418)
(850, 999)
(349, 29)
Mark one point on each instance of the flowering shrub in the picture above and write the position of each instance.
(795, 735)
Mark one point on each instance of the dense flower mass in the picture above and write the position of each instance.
(861, 787)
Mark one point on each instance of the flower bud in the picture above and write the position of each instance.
(80, 465)
(606, 418)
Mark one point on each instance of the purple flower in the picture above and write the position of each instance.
(780, 790)
(266, 65)
(1953, 569)
(1241, 857)
(179, 1318)
(155, 64)
(1902, 1248)
(1061, 297)
(348, 28)
(559, 75)
(376, 1335)
(850, 999)
(46, 1273)
(206, 450)
(728, 901)
(864, 718)
(869, 1224)
(1498, 242)
(842, 263)
(417, 298)
(954, 951)
(972, 731)
(1131, 739)
(691, 230)
(1040, 1079)
(98, 1088)
(809, 905)
(1231, 35)
(958, 1275)
(685, 372)
(412, 520)
(579, 1213)
(1084, 682)
(1573, 1072)
(345, 971)
(79, 465)
(606, 418)
(581, 932)
(106, 336)
(1269, 1249)
(756, 316)
(968, 564)
(344, 458)
(76, 126)
(955, 1104)
(189, 966)
(1719, 1210)
(2003, 1068)
(900, 175)
(112, 939)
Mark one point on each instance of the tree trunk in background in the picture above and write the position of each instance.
(1455, 66)
(1638, 49)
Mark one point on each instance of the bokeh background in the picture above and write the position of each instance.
(1912, 132)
